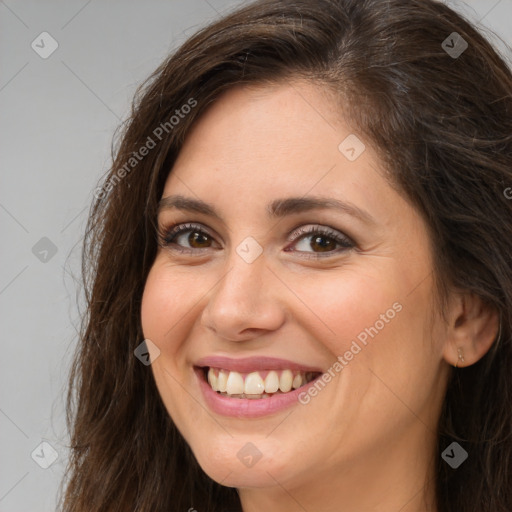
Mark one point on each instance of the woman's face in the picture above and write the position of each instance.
(269, 290)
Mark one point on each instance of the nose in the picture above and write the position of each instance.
(244, 304)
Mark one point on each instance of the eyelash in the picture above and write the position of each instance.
(168, 235)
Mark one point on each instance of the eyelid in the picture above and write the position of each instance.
(344, 242)
(183, 227)
(308, 229)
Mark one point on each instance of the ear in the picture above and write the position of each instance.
(473, 326)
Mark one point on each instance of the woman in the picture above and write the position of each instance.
(307, 222)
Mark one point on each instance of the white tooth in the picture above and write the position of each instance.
(222, 381)
(297, 381)
(271, 382)
(254, 384)
(235, 384)
(212, 379)
(285, 381)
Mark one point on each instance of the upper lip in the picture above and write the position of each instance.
(255, 363)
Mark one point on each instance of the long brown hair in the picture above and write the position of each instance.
(442, 124)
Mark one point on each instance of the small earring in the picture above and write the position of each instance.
(461, 357)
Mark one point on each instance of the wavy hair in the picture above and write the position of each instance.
(443, 129)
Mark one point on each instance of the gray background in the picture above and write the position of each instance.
(58, 118)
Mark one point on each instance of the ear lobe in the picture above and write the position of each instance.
(473, 326)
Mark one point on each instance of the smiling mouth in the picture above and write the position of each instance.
(256, 384)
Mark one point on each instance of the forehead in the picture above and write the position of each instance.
(255, 144)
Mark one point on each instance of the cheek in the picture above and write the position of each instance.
(167, 299)
(345, 306)
(379, 329)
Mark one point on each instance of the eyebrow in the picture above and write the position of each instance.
(277, 208)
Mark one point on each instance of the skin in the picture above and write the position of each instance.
(367, 440)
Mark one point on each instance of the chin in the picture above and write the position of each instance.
(243, 461)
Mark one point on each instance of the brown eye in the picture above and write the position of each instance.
(186, 237)
(198, 240)
(317, 239)
(323, 243)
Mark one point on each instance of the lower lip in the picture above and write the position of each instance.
(247, 407)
